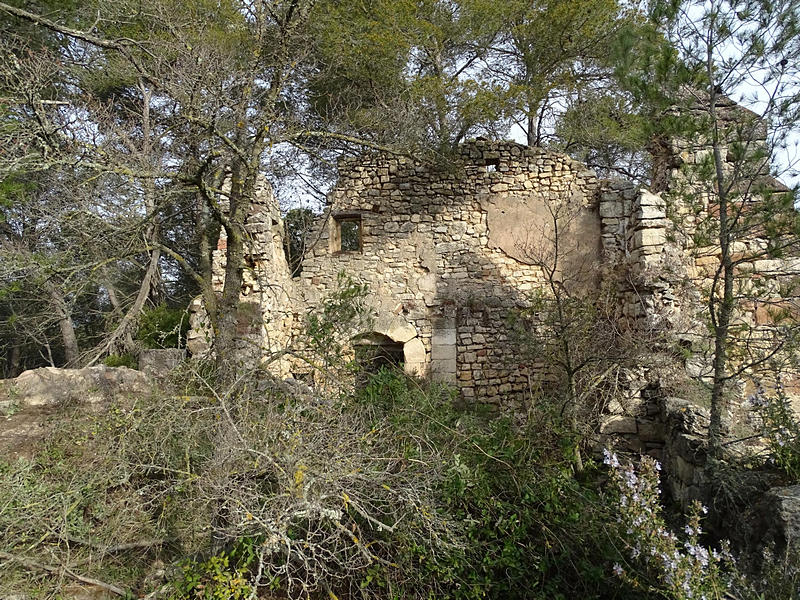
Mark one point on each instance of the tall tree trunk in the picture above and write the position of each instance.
(242, 189)
(65, 324)
(129, 320)
(721, 309)
(117, 305)
(14, 357)
(204, 247)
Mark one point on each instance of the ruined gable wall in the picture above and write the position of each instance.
(444, 256)
(443, 250)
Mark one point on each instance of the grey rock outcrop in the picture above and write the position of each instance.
(159, 362)
(774, 521)
(33, 403)
(50, 386)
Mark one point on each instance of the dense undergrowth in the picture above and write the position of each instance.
(388, 492)
(254, 490)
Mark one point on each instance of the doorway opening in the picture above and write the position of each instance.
(376, 351)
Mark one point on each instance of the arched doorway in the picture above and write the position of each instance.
(374, 351)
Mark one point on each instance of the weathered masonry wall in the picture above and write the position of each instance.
(447, 253)
(266, 312)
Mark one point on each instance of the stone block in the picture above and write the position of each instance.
(651, 212)
(396, 328)
(444, 337)
(444, 365)
(414, 352)
(611, 209)
(682, 469)
(776, 519)
(50, 386)
(657, 454)
(649, 237)
(618, 424)
(651, 431)
(159, 362)
(647, 198)
(615, 408)
(443, 371)
(768, 266)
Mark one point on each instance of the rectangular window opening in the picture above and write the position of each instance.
(492, 164)
(348, 234)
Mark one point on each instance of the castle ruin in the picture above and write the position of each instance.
(448, 252)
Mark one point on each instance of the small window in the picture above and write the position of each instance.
(492, 164)
(351, 235)
(347, 234)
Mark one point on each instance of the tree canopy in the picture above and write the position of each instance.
(146, 124)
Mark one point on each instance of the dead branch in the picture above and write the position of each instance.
(33, 565)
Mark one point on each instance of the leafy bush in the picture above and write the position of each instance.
(121, 360)
(344, 312)
(529, 528)
(781, 429)
(682, 566)
(212, 579)
(390, 492)
(163, 327)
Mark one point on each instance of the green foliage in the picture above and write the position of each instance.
(13, 189)
(163, 327)
(778, 579)
(61, 496)
(529, 528)
(781, 429)
(400, 71)
(604, 129)
(551, 37)
(121, 360)
(391, 492)
(572, 333)
(213, 579)
(344, 313)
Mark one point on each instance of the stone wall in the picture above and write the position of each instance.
(448, 252)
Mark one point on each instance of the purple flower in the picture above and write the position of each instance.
(610, 458)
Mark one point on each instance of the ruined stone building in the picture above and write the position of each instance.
(448, 252)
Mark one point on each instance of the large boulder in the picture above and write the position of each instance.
(34, 402)
(775, 520)
(50, 386)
